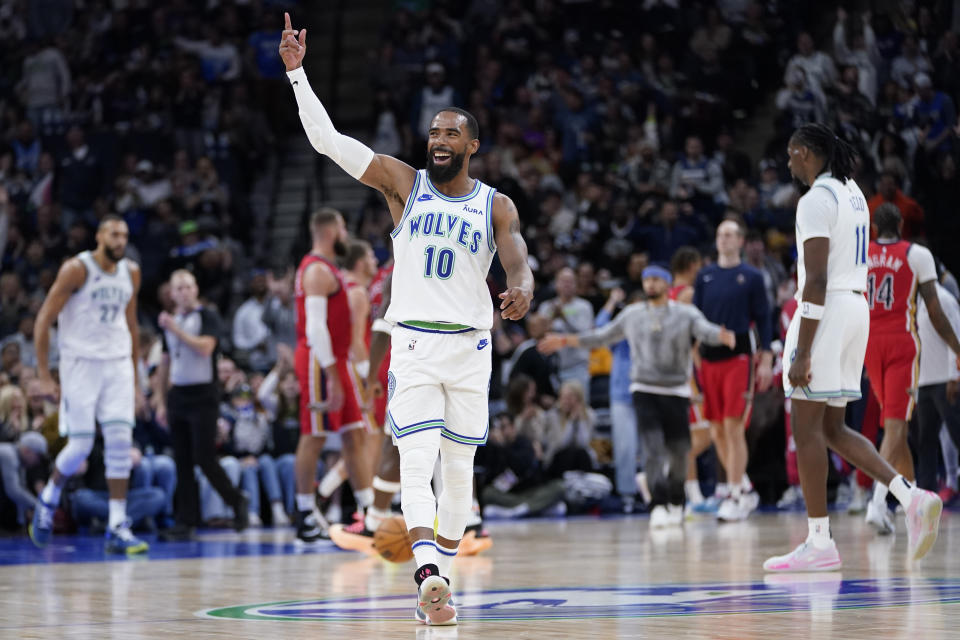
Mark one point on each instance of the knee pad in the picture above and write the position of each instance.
(74, 454)
(456, 465)
(418, 453)
(117, 440)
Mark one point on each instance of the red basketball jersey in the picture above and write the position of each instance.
(891, 288)
(675, 292)
(338, 309)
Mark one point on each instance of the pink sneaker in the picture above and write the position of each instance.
(806, 557)
(923, 521)
(433, 602)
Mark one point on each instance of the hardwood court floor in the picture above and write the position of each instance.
(580, 578)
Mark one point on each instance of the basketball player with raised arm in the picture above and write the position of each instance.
(825, 347)
(448, 227)
(899, 271)
(94, 298)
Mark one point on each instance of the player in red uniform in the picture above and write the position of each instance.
(899, 270)
(329, 399)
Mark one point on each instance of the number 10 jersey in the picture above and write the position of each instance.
(442, 252)
(93, 322)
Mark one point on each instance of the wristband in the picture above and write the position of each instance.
(382, 326)
(811, 311)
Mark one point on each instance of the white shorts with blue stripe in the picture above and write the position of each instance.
(439, 379)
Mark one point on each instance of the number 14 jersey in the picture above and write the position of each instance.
(442, 250)
(896, 271)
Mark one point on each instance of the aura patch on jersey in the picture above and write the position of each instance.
(776, 594)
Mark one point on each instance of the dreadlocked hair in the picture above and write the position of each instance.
(839, 156)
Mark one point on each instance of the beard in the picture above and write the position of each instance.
(340, 248)
(441, 174)
(799, 186)
(115, 255)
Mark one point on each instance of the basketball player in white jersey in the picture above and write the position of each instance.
(94, 299)
(448, 227)
(825, 347)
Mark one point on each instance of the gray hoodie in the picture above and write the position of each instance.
(660, 339)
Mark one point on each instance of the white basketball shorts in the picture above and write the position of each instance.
(94, 391)
(839, 347)
(439, 380)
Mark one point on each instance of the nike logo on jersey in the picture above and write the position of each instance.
(296, 82)
(483, 343)
(425, 197)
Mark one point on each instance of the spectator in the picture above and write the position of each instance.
(250, 334)
(568, 313)
(526, 361)
(800, 102)
(44, 85)
(817, 66)
(279, 395)
(862, 52)
(888, 190)
(511, 480)
(568, 432)
(26, 148)
(10, 364)
(279, 314)
(81, 178)
(528, 417)
(909, 63)
(755, 255)
(13, 413)
(219, 60)
(936, 116)
(670, 233)
(249, 443)
(696, 177)
(28, 452)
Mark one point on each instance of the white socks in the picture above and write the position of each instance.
(118, 513)
(333, 479)
(305, 502)
(425, 552)
(51, 494)
(900, 489)
(445, 558)
(364, 498)
(692, 489)
(879, 493)
(374, 517)
(818, 532)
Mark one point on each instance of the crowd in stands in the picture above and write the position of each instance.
(622, 131)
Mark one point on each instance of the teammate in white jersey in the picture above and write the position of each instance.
(448, 228)
(825, 346)
(94, 298)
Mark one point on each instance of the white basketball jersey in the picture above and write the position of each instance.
(93, 323)
(442, 250)
(838, 211)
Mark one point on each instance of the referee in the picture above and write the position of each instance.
(191, 407)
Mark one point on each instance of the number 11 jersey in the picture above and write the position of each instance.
(837, 211)
(442, 250)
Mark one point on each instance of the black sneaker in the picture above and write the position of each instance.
(241, 512)
(311, 528)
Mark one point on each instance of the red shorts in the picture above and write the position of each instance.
(695, 417)
(727, 388)
(313, 392)
(893, 366)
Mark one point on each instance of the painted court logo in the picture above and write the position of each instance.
(776, 594)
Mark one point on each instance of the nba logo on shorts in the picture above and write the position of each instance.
(412, 345)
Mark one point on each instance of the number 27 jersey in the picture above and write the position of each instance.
(442, 252)
(896, 271)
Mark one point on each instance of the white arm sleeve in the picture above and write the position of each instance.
(318, 336)
(352, 155)
(922, 264)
